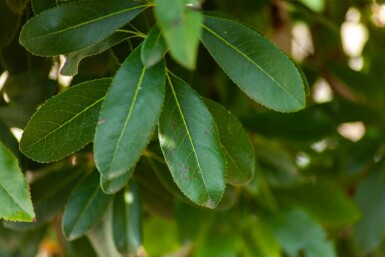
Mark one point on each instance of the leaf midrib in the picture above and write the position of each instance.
(67, 122)
(14, 200)
(128, 117)
(188, 133)
(86, 23)
(86, 207)
(251, 61)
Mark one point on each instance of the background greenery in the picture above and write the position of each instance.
(309, 183)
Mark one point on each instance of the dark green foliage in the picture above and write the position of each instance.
(171, 132)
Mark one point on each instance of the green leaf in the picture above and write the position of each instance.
(112, 186)
(181, 27)
(71, 65)
(71, 27)
(126, 221)
(85, 208)
(370, 230)
(325, 202)
(65, 123)
(236, 144)
(15, 200)
(258, 67)
(296, 231)
(190, 144)
(39, 6)
(128, 116)
(49, 193)
(154, 48)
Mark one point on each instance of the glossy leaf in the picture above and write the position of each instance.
(67, 120)
(126, 221)
(181, 27)
(190, 144)
(112, 186)
(39, 6)
(239, 151)
(71, 27)
(85, 208)
(258, 67)
(50, 193)
(71, 65)
(15, 200)
(154, 47)
(369, 232)
(128, 116)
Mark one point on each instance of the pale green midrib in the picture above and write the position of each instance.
(65, 123)
(86, 23)
(14, 200)
(231, 158)
(128, 118)
(86, 207)
(188, 133)
(250, 60)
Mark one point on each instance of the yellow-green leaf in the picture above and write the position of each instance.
(15, 200)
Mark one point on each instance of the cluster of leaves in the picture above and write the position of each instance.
(140, 155)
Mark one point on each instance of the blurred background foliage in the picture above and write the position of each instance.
(319, 187)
